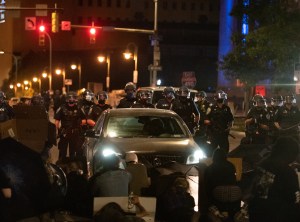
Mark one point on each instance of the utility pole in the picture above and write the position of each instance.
(153, 68)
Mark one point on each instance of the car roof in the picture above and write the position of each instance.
(161, 88)
(141, 112)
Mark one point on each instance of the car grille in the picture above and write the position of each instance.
(157, 160)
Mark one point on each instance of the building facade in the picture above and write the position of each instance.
(187, 32)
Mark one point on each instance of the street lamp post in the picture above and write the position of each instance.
(50, 60)
(107, 59)
(63, 73)
(128, 55)
(38, 80)
(77, 66)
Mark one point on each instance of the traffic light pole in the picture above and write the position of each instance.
(50, 60)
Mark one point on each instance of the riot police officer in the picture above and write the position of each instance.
(85, 105)
(258, 122)
(204, 108)
(143, 99)
(167, 101)
(6, 111)
(276, 103)
(101, 106)
(129, 99)
(220, 121)
(186, 108)
(68, 121)
(287, 118)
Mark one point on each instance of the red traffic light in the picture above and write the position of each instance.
(42, 28)
(92, 31)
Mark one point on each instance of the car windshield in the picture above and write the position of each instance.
(144, 126)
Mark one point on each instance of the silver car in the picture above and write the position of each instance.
(157, 136)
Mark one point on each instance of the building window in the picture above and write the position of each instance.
(127, 3)
(146, 4)
(99, 20)
(202, 6)
(211, 7)
(118, 3)
(183, 6)
(99, 3)
(174, 5)
(193, 6)
(90, 3)
(108, 3)
(165, 5)
(80, 2)
(89, 20)
(80, 19)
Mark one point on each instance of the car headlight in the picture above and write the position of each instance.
(195, 157)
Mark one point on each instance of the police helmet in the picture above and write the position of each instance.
(102, 95)
(183, 91)
(277, 100)
(144, 95)
(169, 92)
(71, 98)
(258, 100)
(2, 96)
(88, 95)
(130, 86)
(37, 100)
(290, 99)
(220, 95)
(201, 94)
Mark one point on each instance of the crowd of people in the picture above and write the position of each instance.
(274, 193)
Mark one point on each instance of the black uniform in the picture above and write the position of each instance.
(221, 119)
(254, 131)
(288, 119)
(70, 130)
(97, 109)
(6, 112)
(204, 108)
(187, 110)
(142, 105)
(126, 102)
(164, 104)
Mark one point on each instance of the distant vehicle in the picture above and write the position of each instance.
(157, 92)
(157, 136)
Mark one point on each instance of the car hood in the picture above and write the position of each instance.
(149, 145)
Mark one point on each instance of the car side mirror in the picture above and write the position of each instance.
(92, 133)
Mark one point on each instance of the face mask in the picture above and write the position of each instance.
(100, 101)
(88, 97)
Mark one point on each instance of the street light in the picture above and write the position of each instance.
(35, 79)
(127, 55)
(63, 73)
(16, 61)
(102, 59)
(77, 66)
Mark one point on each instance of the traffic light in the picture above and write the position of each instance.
(54, 22)
(42, 35)
(92, 35)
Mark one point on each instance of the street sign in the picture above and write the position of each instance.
(65, 25)
(154, 68)
(30, 23)
(189, 79)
